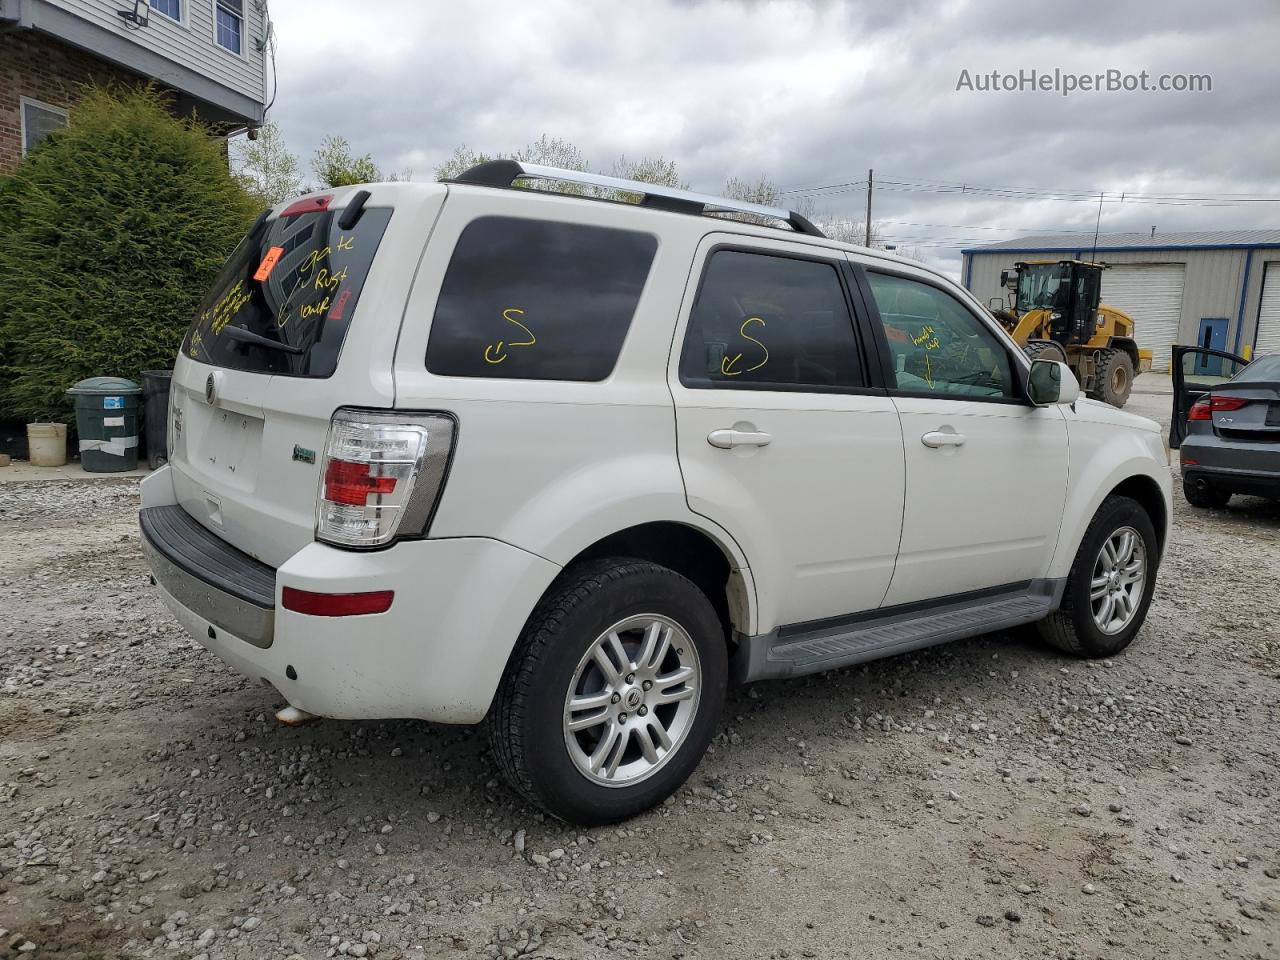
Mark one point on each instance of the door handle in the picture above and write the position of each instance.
(942, 438)
(725, 439)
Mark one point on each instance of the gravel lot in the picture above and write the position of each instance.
(987, 798)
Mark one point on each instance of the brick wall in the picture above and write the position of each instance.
(37, 66)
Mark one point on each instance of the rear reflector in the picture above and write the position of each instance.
(307, 205)
(337, 604)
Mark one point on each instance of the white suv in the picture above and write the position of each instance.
(471, 452)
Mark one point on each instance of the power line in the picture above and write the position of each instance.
(971, 226)
(1027, 194)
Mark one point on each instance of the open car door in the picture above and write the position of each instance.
(1196, 371)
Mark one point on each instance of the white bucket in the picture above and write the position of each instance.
(47, 444)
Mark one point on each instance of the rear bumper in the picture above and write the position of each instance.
(1235, 481)
(1236, 465)
(437, 654)
(235, 592)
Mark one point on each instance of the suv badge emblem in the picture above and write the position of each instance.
(210, 389)
(303, 455)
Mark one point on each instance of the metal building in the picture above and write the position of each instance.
(1217, 288)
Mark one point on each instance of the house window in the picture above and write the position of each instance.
(170, 8)
(38, 121)
(229, 16)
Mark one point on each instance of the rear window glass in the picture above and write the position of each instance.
(293, 281)
(537, 300)
(1264, 368)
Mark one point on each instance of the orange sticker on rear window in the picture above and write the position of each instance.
(268, 263)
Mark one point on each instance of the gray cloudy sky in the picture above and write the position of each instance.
(814, 94)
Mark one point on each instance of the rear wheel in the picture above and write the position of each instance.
(1206, 496)
(1114, 377)
(612, 694)
(1110, 584)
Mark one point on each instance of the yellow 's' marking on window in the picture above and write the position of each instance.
(493, 352)
(727, 365)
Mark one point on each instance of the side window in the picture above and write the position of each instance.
(38, 121)
(537, 300)
(770, 323)
(936, 344)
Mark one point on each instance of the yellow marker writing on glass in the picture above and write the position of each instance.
(497, 352)
(727, 365)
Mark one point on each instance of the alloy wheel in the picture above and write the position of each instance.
(632, 700)
(1119, 579)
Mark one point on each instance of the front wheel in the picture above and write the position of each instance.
(612, 694)
(1110, 584)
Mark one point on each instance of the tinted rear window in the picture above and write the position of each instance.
(1263, 369)
(294, 280)
(537, 300)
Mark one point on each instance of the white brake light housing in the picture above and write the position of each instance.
(382, 475)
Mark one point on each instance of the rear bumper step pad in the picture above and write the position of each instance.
(208, 576)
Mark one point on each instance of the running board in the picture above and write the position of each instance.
(827, 644)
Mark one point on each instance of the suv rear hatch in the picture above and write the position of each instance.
(302, 319)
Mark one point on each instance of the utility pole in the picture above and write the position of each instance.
(870, 181)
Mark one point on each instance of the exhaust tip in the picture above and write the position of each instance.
(291, 716)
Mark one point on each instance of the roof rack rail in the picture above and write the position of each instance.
(502, 173)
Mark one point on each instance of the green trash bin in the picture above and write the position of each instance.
(107, 421)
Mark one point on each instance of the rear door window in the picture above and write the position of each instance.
(767, 322)
(293, 281)
(537, 300)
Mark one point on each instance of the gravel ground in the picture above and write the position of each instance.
(983, 799)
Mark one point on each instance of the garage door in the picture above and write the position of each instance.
(1151, 293)
(1268, 339)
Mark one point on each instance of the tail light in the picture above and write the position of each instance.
(1206, 407)
(383, 475)
(1225, 404)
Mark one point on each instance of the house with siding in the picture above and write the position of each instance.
(1215, 288)
(211, 54)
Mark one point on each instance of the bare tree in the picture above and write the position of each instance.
(556, 152)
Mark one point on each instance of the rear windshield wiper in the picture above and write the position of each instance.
(248, 336)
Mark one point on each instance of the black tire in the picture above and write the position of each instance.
(1208, 497)
(1071, 628)
(1113, 377)
(1045, 350)
(526, 721)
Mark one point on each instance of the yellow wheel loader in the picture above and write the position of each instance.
(1054, 314)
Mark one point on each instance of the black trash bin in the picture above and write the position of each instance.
(107, 421)
(155, 414)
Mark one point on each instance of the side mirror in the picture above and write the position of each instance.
(1050, 382)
